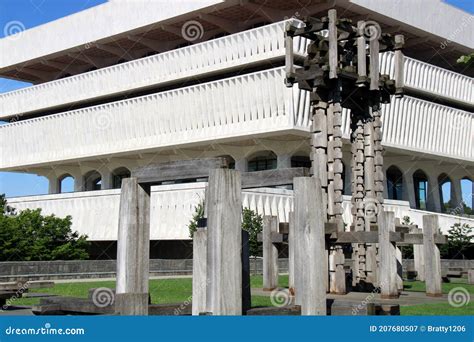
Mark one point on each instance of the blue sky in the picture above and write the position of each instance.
(36, 12)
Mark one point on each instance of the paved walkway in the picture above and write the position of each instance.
(406, 298)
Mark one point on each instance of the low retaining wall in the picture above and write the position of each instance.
(84, 269)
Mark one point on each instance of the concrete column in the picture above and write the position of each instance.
(241, 165)
(398, 254)
(409, 189)
(418, 257)
(107, 180)
(270, 254)
(432, 256)
(283, 161)
(337, 274)
(79, 184)
(246, 287)
(224, 215)
(388, 261)
(133, 249)
(199, 271)
(434, 199)
(53, 184)
(456, 195)
(470, 277)
(309, 218)
(291, 252)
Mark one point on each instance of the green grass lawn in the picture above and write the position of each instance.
(439, 308)
(179, 290)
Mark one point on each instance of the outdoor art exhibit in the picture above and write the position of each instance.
(302, 169)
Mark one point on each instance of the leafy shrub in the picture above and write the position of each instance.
(28, 235)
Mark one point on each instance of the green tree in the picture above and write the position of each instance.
(407, 251)
(197, 215)
(460, 240)
(466, 59)
(251, 222)
(29, 235)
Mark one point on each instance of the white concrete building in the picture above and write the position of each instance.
(128, 83)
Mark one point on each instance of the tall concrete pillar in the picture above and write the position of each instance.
(270, 254)
(224, 214)
(199, 271)
(434, 199)
(291, 252)
(283, 161)
(79, 183)
(241, 164)
(418, 257)
(107, 180)
(388, 262)
(309, 218)
(409, 190)
(432, 257)
(456, 195)
(133, 249)
(53, 184)
(246, 287)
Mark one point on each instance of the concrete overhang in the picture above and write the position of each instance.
(94, 38)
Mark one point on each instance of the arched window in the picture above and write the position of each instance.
(394, 183)
(92, 181)
(66, 183)
(266, 160)
(118, 175)
(300, 161)
(445, 192)
(420, 182)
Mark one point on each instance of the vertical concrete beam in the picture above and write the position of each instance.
(470, 277)
(79, 184)
(398, 254)
(419, 259)
(199, 271)
(283, 161)
(107, 180)
(53, 185)
(224, 215)
(133, 249)
(241, 164)
(309, 218)
(246, 290)
(291, 252)
(456, 194)
(388, 262)
(270, 254)
(432, 256)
